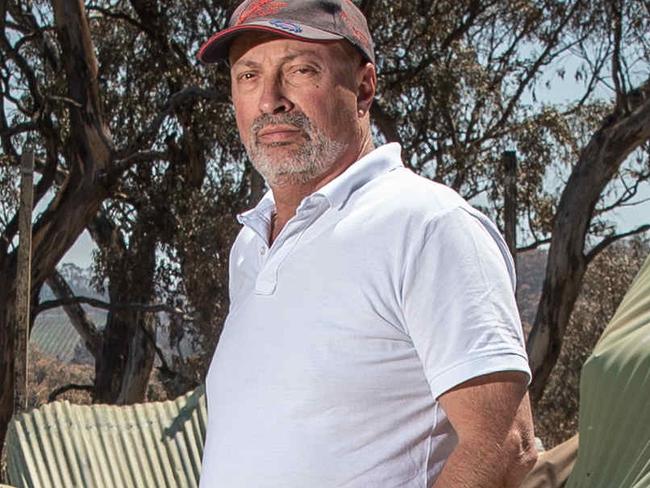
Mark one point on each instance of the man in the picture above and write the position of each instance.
(373, 338)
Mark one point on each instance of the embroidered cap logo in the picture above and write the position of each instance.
(287, 26)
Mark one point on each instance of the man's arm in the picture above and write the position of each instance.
(496, 447)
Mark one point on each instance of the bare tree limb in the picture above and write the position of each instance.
(67, 100)
(25, 69)
(164, 366)
(42, 187)
(533, 245)
(31, 28)
(7, 143)
(140, 157)
(617, 76)
(18, 129)
(94, 302)
(80, 321)
(531, 72)
(145, 138)
(72, 386)
(117, 15)
(630, 193)
(595, 68)
(602, 245)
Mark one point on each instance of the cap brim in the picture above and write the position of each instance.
(216, 48)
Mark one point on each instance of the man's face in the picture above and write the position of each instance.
(295, 105)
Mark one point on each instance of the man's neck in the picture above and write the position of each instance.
(289, 195)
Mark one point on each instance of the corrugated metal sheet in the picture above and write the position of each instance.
(614, 421)
(156, 444)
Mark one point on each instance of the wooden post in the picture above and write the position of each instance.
(510, 201)
(23, 279)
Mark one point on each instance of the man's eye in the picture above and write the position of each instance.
(304, 70)
(246, 76)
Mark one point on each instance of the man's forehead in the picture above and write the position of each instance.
(243, 44)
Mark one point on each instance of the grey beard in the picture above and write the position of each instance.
(309, 161)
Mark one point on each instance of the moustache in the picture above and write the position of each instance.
(297, 119)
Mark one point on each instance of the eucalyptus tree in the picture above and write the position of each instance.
(113, 105)
(136, 142)
(459, 83)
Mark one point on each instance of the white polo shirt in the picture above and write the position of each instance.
(383, 292)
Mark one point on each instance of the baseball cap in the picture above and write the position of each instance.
(309, 20)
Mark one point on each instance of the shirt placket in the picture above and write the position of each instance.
(272, 258)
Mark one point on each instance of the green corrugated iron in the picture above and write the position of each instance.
(615, 398)
(157, 444)
(612, 449)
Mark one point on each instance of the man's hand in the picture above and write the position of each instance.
(496, 447)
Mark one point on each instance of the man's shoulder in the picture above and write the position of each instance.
(403, 192)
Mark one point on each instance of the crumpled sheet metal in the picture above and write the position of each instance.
(157, 444)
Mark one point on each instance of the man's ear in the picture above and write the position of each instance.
(366, 87)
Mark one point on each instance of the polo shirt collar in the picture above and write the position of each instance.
(381, 160)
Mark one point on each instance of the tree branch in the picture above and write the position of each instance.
(628, 194)
(177, 99)
(619, 81)
(31, 27)
(602, 245)
(139, 157)
(164, 366)
(94, 302)
(80, 321)
(42, 187)
(533, 245)
(72, 386)
(18, 129)
(117, 15)
(533, 70)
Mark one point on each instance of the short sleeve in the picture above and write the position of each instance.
(459, 304)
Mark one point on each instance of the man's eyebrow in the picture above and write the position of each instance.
(291, 57)
(284, 59)
(246, 62)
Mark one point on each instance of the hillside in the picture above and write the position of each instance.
(530, 278)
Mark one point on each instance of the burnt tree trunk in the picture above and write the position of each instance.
(123, 367)
(88, 154)
(620, 134)
(8, 345)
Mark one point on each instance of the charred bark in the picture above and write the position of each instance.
(8, 345)
(123, 368)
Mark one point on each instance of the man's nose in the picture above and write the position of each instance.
(274, 98)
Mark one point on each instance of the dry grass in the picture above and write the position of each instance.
(46, 374)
